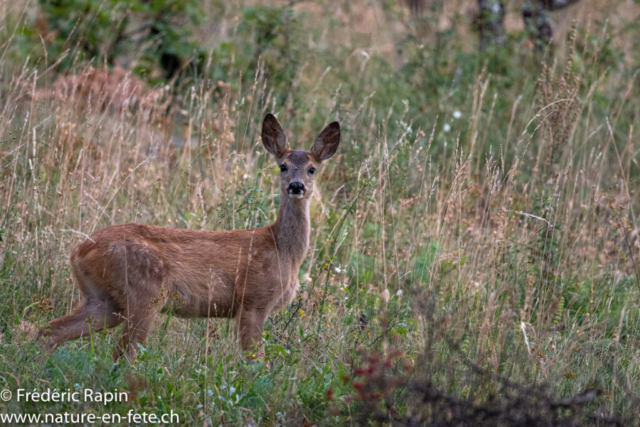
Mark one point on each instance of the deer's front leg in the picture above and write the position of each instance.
(250, 327)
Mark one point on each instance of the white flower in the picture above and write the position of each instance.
(306, 277)
(409, 129)
(245, 176)
(446, 127)
(399, 292)
(166, 87)
(457, 114)
(337, 270)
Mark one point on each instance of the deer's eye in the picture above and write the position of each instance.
(312, 171)
(283, 168)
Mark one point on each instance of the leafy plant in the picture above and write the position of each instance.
(154, 37)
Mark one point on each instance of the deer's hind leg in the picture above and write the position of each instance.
(96, 311)
(139, 316)
(133, 275)
(141, 302)
(90, 316)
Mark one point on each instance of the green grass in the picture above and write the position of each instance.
(461, 257)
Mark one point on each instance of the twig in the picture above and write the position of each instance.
(86, 236)
(532, 216)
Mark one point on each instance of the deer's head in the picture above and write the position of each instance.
(298, 167)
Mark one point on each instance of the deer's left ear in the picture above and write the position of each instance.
(326, 143)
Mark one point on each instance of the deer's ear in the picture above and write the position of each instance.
(326, 143)
(274, 138)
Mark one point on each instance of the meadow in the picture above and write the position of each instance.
(475, 253)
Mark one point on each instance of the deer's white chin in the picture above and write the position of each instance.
(296, 196)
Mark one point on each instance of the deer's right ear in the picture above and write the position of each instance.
(274, 138)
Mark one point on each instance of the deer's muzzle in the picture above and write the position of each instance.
(296, 190)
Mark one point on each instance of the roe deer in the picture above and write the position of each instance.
(130, 272)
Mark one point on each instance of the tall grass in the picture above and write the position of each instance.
(476, 231)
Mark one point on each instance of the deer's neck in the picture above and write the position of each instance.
(292, 229)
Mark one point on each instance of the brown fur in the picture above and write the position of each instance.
(128, 273)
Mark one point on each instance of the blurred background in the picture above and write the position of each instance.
(169, 40)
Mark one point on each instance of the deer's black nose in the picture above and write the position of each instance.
(296, 188)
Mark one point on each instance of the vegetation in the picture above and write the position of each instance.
(475, 255)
